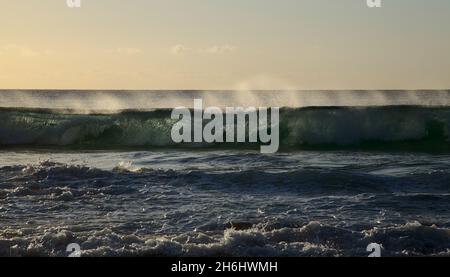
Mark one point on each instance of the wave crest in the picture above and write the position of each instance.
(379, 128)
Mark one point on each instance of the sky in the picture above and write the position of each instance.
(225, 44)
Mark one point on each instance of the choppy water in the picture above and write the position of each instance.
(232, 203)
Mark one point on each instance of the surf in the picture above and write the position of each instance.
(386, 128)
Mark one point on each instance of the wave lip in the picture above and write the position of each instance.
(409, 128)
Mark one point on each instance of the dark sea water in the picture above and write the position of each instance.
(99, 169)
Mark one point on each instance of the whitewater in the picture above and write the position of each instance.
(98, 168)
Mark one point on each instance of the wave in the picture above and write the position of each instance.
(54, 179)
(388, 128)
(312, 239)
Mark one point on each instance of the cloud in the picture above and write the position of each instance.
(213, 50)
(21, 50)
(127, 51)
(221, 49)
(179, 49)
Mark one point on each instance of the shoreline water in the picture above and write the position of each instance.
(229, 203)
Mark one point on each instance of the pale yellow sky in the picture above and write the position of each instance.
(224, 44)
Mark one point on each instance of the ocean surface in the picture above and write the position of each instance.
(99, 169)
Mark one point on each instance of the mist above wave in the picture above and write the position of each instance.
(89, 101)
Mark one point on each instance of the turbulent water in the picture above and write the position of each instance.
(348, 174)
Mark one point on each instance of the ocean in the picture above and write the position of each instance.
(99, 169)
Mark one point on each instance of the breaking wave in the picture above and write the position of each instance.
(380, 128)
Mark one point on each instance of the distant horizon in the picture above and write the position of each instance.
(230, 90)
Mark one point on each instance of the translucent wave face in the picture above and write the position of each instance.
(368, 128)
